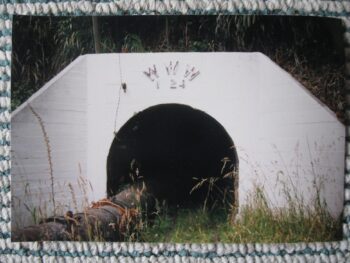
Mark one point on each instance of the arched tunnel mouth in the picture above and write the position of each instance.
(183, 155)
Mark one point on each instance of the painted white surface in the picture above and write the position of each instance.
(61, 104)
(283, 135)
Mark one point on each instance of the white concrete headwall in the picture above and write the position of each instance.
(61, 106)
(301, 144)
(285, 139)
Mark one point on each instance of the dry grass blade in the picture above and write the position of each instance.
(49, 157)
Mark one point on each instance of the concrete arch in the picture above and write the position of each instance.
(173, 148)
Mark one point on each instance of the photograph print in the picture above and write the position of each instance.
(177, 129)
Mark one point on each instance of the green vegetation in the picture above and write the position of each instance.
(256, 223)
(309, 48)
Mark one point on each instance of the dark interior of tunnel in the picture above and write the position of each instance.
(182, 154)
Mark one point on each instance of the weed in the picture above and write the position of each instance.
(49, 157)
(70, 186)
(257, 223)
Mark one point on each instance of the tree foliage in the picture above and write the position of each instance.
(309, 48)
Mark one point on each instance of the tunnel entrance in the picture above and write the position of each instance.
(182, 154)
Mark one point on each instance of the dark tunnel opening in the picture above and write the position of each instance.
(183, 155)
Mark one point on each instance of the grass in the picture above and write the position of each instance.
(257, 222)
(185, 225)
(49, 157)
(295, 43)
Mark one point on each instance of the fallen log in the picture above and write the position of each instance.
(109, 219)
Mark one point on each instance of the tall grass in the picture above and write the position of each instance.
(45, 45)
(257, 222)
(49, 155)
